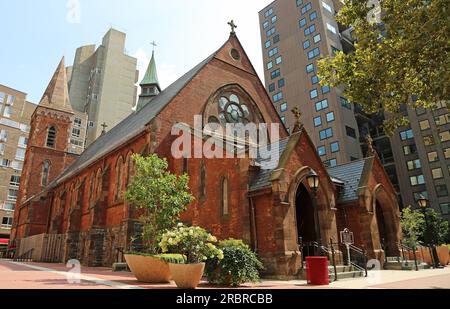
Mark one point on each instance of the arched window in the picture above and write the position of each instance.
(185, 166)
(91, 188)
(99, 185)
(130, 169)
(225, 206)
(119, 173)
(202, 180)
(51, 137)
(45, 172)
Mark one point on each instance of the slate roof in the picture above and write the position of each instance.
(263, 178)
(130, 127)
(351, 174)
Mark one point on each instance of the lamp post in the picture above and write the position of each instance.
(313, 182)
(423, 204)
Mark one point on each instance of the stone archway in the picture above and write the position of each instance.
(299, 194)
(385, 224)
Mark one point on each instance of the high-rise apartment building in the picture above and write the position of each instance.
(294, 35)
(102, 83)
(15, 115)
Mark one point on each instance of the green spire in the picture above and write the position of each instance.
(151, 76)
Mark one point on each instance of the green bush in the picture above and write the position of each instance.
(167, 257)
(239, 265)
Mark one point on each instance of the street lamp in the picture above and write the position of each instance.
(423, 204)
(313, 182)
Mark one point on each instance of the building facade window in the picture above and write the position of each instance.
(14, 181)
(310, 68)
(276, 39)
(419, 195)
(407, 134)
(345, 103)
(447, 153)
(409, 149)
(268, 13)
(313, 16)
(314, 79)
(77, 122)
(45, 172)
(325, 89)
(326, 134)
(445, 208)
(413, 164)
(302, 22)
(275, 73)
(313, 53)
(281, 83)
(321, 105)
(278, 60)
(350, 131)
(225, 206)
(327, 7)
(272, 87)
(273, 52)
(277, 97)
(313, 94)
(270, 31)
(311, 29)
(51, 137)
(416, 180)
(306, 8)
(334, 147)
(306, 44)
(442, 119)
(330, 117)
(331, 28)
(268, 43)
(321, 151)
(330, 163)
(283, 107)
(444, 136)
(437, 173)
(316, 38)
(441, 190)
(424, 124)
(12, 194)
(433, 156)
(269, 65)
(318, 121)
(7, 221)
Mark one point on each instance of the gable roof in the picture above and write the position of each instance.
(354, 175)
(263, 178)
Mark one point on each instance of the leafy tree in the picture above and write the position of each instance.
(160, 195)
(413, 225)
(437, 228)
(404, 55)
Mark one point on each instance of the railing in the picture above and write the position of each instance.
(404, 248)
(357, 259)
(314, 248)
(26, 257)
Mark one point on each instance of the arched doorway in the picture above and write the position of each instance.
(305, 217)
(385, 240)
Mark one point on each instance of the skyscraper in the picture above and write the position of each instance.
(15, 117)
(102, 83)
(294, 35)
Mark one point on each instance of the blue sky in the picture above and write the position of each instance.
(36, 34)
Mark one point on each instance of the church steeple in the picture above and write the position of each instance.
(149, 84)
(56, 96)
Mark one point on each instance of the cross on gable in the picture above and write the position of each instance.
(233, 26)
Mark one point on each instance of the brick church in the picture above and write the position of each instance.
(81, 197)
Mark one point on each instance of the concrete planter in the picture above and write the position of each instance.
(148, 269)
(187, 276)
(425, 252)
(443, 255)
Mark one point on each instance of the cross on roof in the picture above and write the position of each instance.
(104, 126)
(153, 44)
(233, 26)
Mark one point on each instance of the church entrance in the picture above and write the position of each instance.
(306, 227)
(382, 231)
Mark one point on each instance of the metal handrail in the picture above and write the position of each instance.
(360, 262)
(402, 247)
(26, 257)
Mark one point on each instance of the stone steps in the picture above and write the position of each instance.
(345, 272)
(405, 265)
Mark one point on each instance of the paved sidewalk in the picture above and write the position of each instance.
(55, 276)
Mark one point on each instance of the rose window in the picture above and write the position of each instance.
(231, 110)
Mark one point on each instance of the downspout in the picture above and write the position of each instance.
(253, 225)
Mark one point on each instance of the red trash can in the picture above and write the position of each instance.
(317, 270)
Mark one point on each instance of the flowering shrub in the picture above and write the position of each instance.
(195, 243)
(239, 265)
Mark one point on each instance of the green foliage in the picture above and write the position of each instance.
(239, 265)
(160, 195)
(407, 54)
(437, 228)
(193, 242)
(172, 258)
(413, 225)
